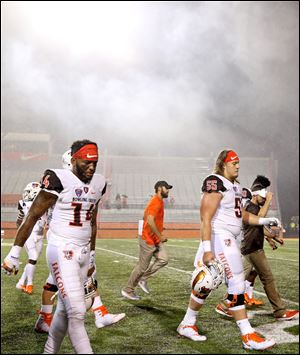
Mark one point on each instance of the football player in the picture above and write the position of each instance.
(34, 243)
(102, 317)
(221, 222)
(74, 196)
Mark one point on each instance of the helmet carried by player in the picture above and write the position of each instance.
(66, 160)
(30, 191)
(207, 278)
(90, 291)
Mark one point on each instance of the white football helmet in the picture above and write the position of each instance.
(30, 191)
(90, 291)
(207, 278)
(66, 160)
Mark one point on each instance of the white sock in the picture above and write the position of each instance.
(245, 326)
(97, 303)
(29, 269)
(47, 308)
(22, 278)
(247, 285)
(190, 317)
(250, 291)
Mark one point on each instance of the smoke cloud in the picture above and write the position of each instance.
(168, 78)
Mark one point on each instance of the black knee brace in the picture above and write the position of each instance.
(235, 300)
(50, 287)
(32, 262)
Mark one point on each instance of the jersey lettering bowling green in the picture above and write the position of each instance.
(229, 213)
(72, 212)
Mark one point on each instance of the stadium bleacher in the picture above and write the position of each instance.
(134, 177)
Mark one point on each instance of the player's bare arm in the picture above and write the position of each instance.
(208, 207)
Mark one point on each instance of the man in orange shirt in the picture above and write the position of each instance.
(151, 243)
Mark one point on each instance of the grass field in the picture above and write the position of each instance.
(150, 324)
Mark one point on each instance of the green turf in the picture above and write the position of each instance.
(150, 324)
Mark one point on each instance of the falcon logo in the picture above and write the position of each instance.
(227, 242)
(68, 254)
(78, 192)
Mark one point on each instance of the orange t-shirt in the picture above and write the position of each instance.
(154, 208)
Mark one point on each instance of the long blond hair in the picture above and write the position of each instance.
(219, 166)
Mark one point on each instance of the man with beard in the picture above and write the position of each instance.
(253, 243)
(151, 243)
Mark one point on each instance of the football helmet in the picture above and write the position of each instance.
(90, 291)
(30, 191)
(66, 160)
(207, 278)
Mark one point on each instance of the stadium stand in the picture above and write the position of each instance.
(134, 178)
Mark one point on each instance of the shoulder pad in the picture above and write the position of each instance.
(51, 182)
(213, 184)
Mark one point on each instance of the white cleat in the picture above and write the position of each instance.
(143, 285)
(20, 286)
(191, 332)
(108, 319)
(255, 342)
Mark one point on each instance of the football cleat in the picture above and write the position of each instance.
(130, 295)
(288, 315)
(103, 318)
(143, 285)
(20, 286)
(43, 322)
(252, 301)
(224, 311)
(191, 332)
(253, 341)
(28, 289)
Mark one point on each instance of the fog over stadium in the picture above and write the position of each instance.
(157, 78)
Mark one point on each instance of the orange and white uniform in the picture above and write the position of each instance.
(226, 226)
(68, 252)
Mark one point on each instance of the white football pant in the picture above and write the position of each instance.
(226, 250)
(69, 266)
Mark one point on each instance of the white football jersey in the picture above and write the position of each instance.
(38, 228)
(71, 215)
(229, 213)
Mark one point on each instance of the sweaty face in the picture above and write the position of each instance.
(84, 169)
(232, 170)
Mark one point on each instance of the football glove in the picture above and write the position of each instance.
(10, 264)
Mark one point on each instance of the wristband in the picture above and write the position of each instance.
(263, 221)
(206, 245)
